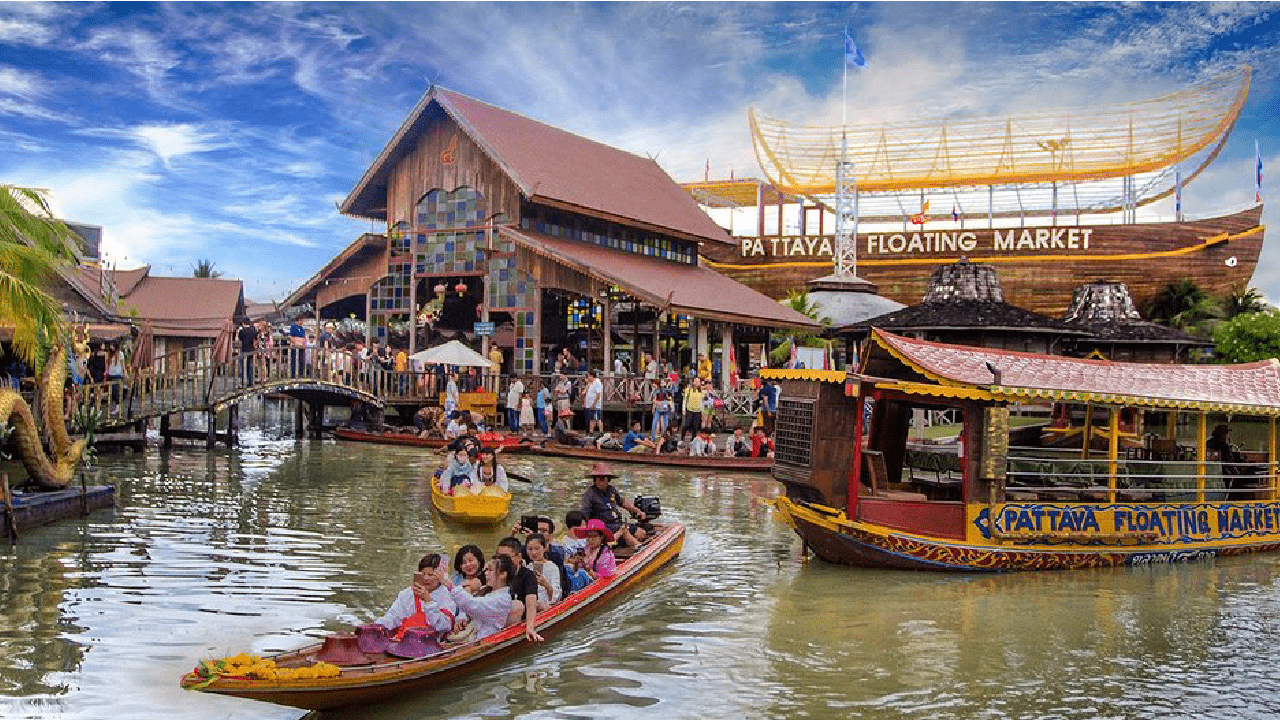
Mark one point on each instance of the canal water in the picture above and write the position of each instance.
(269, 545)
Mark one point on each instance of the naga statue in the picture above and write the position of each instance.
(45, 473)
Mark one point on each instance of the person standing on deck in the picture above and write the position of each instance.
(543, 409)
(248, 336)
(594, 402)
(515, 392)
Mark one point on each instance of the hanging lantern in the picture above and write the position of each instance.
(439, 289)
(461, 288)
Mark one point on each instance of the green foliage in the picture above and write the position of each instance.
(1184, 306)
(1249, 337)
(33, 245)
(799, 301)
(204, 269)
(1242, 300)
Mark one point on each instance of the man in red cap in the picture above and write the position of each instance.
(602, 501)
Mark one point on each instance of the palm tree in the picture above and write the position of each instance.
(33, 246)
(1243, 300)
(1184, 306)
(800, 301)
(204, 269)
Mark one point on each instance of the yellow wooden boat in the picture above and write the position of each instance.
(487, 508)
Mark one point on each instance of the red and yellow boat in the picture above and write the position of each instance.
(488, 440)
(859, 492)
(386, 676)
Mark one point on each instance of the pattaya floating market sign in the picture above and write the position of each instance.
(993, 240)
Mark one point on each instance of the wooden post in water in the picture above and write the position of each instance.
(317, 419)
(164, 431)
(10, 523)
(297, 418)
(233, 424)
(211, 429)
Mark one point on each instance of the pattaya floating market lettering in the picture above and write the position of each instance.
(1038, 239)
(1167, 522)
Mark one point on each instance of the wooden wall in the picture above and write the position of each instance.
(427, 167)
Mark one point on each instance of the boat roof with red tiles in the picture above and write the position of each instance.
(547, 163)
(1252, 387)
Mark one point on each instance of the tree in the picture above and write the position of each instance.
(1242, 300)
(1184, 306)
(204, 269)
(800, 301)
(33, 246)
(1249, 337)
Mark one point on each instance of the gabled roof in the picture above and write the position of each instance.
(367, 241)
(547, 164)
(1252, 387)
(967, 315)
(185, 306)
(127, 280)
(688, 289)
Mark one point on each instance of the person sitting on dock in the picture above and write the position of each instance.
(490, 474)
(490, 609)
(461, 470)
(636, 440)
(738, 445)
(601, 501)
(428, 419)
(425, 603)
(608, 440)
(670, 442)
(702, 446)
(761, 443)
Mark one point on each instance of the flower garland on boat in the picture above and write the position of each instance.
(253, 667)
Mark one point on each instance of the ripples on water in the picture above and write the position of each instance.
(268, 545)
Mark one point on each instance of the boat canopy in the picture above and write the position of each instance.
(923, 367)
(1066, 145)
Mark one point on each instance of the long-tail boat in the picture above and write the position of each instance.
(384, 676)
(704, 462)
(490, 441)
(859, 492)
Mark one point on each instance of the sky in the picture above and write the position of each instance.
(230, 132)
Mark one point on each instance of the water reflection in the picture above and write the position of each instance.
(265, 545)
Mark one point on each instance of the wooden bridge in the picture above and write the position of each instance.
(195, 380)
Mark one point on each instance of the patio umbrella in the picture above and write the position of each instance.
(451, 353)
(143, 348)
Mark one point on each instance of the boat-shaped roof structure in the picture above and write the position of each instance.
(1065, 145)
(1252, 387)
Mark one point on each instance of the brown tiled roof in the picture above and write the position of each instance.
(690, 289)
(127, 280)
(964, 315)
(548, 163)
(185, 306)
(1213, 386)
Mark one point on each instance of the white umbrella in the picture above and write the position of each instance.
(451, 353)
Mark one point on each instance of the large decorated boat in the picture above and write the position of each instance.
(704, 462)
(1123, 471)
(1051, 196)
(311, 678)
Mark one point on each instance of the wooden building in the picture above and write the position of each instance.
(494, 219)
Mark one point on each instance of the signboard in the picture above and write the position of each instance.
(483, 328)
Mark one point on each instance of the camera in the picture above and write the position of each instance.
(529, 522)
(649, 505)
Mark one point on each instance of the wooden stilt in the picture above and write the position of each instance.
(211, 429)
(10, 523)
(233, 425)
(297, 418)
(164, 431)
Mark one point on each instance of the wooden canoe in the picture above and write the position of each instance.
(508, 443)
(387, 677)
(748, 464)
(484, 509)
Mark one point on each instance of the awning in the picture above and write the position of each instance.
(674, 287)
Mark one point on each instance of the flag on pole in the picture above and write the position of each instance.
(852, 55)
(1257, 183)
(955, 216)
(921, 217)
(1177, 194)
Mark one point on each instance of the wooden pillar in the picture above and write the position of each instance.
(657, 338)
(1113, 451)
(1202, 438)
(1087, 432)
(297, 418)
(700, 346)
(1271, 458)
(726, 344)
(210, 429)
(164, 431)
(317, 419)
(233, 424)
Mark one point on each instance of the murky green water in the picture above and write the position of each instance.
(264, 547)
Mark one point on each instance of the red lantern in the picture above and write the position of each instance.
(461, 288)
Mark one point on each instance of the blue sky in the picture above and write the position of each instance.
(229, 132)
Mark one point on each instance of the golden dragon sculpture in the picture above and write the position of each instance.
(46, 473)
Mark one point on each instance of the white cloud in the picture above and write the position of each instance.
(174, 141)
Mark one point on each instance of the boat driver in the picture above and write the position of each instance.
(601, 501)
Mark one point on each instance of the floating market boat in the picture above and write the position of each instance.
(491, 441)
(742, 464)
(486, 508)
(995, 499)
(310, 685)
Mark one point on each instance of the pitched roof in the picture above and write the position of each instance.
(1252, 386)
(967, 314)
(127, 280)
(547, 164)
(689, 289)
(185, 306)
